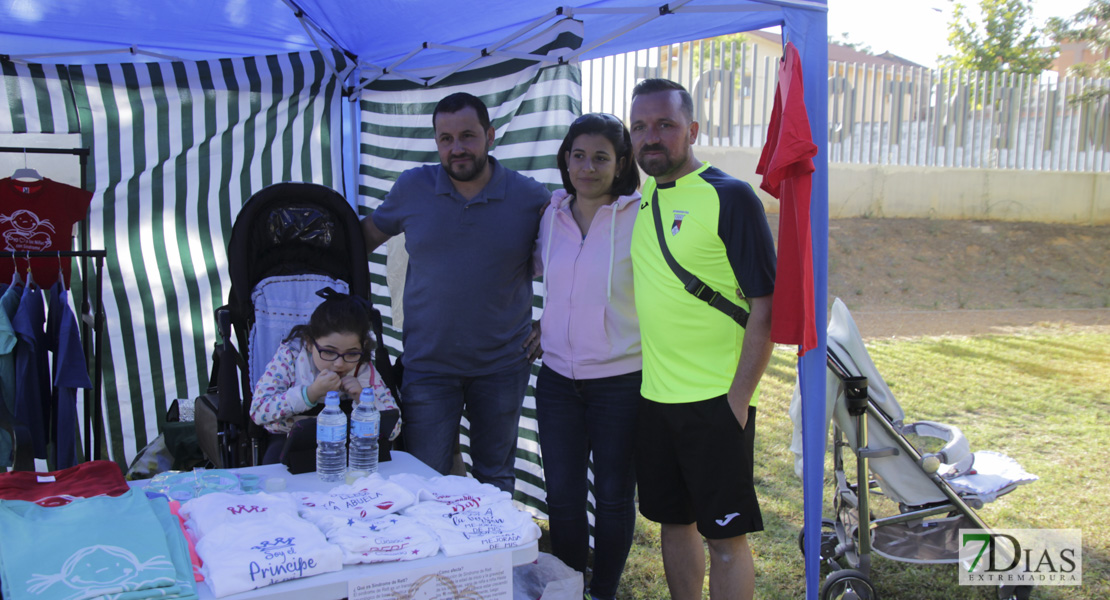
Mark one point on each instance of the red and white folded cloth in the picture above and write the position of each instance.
(369, 497)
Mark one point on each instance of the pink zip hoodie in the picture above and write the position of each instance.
(589, 324)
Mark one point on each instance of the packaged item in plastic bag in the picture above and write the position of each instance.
(547, 579)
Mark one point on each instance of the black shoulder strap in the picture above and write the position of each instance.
(692, 284)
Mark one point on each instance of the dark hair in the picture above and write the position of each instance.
(651, 86)
(338, 313)
(460, 100)
(628, 176)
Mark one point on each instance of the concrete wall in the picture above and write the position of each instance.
(943, 193)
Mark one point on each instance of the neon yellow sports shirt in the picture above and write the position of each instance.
(716, 229)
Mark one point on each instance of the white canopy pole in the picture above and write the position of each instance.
(134, 50)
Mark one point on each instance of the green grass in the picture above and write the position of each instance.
(1041, 398)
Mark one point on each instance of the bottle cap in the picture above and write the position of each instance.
(331, 399)
(248, 482)
(367, 395)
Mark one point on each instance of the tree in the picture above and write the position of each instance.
(857, 46)
(1003, 41)
(1090, 25)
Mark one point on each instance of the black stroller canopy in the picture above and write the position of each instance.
(289, 228)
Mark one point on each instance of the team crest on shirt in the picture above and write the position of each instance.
(678, 216)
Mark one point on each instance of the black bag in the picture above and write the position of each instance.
(299, 452)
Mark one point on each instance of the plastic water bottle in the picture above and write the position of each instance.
(366, 423)
(331, 440)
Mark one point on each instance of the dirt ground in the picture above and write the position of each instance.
(910, 277)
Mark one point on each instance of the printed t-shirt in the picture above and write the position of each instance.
(468, 287)
(494, 526)
(256, 553)
(213, 512)
(89, 548)
(38, 216)
(715, 228)
(458, 493)
(385, 539)
(369, 497)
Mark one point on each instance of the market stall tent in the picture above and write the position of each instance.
(188, 107)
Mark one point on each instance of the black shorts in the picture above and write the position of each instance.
(694, 464)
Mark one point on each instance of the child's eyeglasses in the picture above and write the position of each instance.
(348, 357)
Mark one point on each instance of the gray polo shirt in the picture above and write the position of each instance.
(468, 288)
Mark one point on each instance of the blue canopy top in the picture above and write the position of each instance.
(378, 33)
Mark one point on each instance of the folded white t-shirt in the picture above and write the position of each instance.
(211, 511)
(385, 539)
(251, 554)
(459, 493)
(367, 498)
(493, 526)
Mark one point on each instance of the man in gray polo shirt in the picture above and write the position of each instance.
(469, 226)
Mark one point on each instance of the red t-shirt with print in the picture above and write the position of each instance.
(38, 216)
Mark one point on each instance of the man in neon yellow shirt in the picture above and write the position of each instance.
(701, 368)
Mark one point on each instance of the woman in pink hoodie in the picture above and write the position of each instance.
(588, 389)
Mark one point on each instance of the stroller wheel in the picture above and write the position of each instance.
(1015, 592)
(847, 584)
(828, 540)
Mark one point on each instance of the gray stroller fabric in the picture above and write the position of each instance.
(935, 541)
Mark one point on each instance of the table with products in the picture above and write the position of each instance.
(486, 574)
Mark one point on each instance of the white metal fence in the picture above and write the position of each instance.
(880, 113)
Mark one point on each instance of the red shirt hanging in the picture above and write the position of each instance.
(38, 216)
(787, 168)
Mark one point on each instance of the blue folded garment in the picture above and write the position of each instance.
(88, 548)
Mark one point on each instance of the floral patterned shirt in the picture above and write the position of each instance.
(280, 394)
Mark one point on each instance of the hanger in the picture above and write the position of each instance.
(30, 277)
(16, 279)
(26, 172)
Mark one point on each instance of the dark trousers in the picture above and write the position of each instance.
(433, 407)
(577, 418)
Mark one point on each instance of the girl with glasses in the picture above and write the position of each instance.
(332, 352)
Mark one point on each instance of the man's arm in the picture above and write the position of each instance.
(754, 356)
(373, 236)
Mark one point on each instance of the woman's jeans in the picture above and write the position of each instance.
(576, 417)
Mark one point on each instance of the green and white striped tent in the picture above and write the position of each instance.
(178, 147)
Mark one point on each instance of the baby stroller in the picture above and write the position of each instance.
(288, 241)
(924, 467)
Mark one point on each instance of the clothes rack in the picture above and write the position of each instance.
(92, 308)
